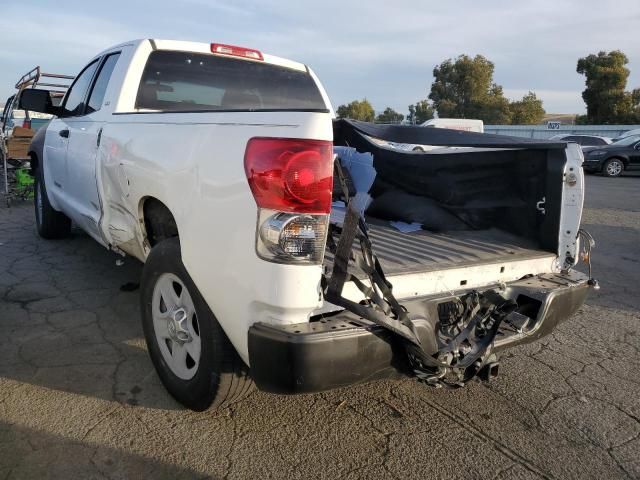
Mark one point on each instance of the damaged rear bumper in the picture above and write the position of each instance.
(344, 349)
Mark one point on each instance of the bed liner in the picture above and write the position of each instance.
(424, 251)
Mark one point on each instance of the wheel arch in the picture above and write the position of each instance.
(157, 220)
(34, 161)
(36, 148)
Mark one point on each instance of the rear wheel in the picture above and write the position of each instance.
(191, 353)
(613, 167)
(50, 223)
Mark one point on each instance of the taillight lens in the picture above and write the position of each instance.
(290, 175)
(291, 237)
(291, 181)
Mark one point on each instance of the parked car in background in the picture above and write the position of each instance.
(630, 133)
(462, 124)
(14, 117)
(586, 142)
(611, 160)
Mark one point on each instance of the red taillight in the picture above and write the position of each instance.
(26, 124)
(236, 51)
(290, 175)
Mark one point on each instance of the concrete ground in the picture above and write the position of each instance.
(79, 397)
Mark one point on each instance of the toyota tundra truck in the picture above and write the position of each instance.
(287, 249)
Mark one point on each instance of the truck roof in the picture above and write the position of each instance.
(203, 47)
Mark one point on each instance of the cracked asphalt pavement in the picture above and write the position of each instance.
(79, 397)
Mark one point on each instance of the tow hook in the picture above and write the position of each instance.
(489, 371)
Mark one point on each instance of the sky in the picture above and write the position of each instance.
(376, 49)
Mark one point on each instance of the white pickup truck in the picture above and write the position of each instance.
(214, 165)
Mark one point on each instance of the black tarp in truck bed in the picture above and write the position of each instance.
(344, 129)
(498, 183)
(494, 188)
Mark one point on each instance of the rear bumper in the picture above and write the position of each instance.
(344, 350)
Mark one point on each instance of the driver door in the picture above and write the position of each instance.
(85, 131)
(57, 141)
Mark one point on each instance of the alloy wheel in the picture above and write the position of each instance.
(175, 323)
(614, 168)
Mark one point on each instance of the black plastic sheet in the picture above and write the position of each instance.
(344, 129)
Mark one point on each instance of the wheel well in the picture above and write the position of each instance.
(624, 161)
(158, 221)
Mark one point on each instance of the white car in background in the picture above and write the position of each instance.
(627, 134)
(462, 124)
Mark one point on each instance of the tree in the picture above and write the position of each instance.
(357, 110)
(635, 100)
(464, 88)
(606, 81)
(411, 118)
(389, 116)
(420, 112)
(528, 111)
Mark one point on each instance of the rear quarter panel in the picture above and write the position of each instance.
(194, 164)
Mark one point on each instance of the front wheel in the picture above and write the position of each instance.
(51, 224)
(191, 353)
(613, 167)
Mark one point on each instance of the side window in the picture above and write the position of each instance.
(74, 103)
(100, 86)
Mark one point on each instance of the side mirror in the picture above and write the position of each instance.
(37, 100)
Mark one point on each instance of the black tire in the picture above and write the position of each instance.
(613, 167)
(51, 224)
(221, 377)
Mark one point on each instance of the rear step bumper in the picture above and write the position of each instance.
(343, 349)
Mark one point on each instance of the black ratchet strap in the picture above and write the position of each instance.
(385, 311)
(380, 305)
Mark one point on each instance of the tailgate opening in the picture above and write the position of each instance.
(488, 201)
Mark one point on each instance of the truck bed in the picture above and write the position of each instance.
(425, 251)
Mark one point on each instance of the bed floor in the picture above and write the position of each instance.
(425, 251)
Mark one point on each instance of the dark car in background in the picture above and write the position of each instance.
(583, 140)
(611, 160)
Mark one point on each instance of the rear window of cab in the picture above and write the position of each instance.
(186, 82)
